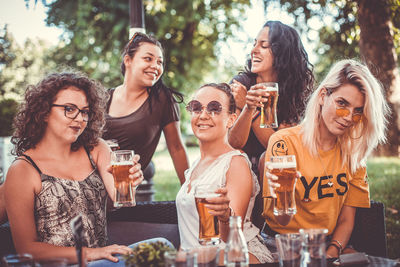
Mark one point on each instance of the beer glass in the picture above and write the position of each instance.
(121, 162)
(268, 118)
(284, 167)
(313, 247)
(113, 144)
(21, 260)
(208, 224)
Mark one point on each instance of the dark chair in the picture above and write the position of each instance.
(145, 220)
(369, 233)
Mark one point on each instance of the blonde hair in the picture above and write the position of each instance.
(358, 142)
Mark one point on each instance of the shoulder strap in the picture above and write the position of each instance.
(90, 157)
(30, 160)
(111, 93)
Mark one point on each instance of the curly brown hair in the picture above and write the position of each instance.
(30, 124)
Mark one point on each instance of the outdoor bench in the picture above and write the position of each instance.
(159, 219)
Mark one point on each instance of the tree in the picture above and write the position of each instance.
(365, 29)
(97, 30)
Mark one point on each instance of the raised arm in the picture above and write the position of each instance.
(176, 149)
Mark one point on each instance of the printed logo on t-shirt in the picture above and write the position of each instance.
(322, 187)
(279, 148)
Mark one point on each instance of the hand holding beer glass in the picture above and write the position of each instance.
(268, 117)
(281, 174)
(125, 187)
(208, 223)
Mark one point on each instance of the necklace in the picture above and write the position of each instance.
(330, 183)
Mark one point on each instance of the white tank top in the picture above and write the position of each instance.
(188, 218)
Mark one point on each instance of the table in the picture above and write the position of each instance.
(373, 262)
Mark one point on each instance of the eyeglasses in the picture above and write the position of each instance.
(213, 108)
(343, 111)
(72, 111)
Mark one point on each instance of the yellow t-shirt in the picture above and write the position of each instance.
(318, 205)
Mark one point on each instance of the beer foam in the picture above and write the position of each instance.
(206, 195)
(121, 163)
(271, 88)
(282, 165)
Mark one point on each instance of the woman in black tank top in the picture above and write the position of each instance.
(61, 170)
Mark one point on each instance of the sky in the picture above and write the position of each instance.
(24, 23)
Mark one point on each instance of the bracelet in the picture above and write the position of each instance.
(336, 246)
(339, 244)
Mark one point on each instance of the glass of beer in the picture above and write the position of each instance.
(284, 167)
(208, 224)
(268, 118)
(113, 144)
(121, 162)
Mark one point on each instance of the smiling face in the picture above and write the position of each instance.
(346, 96)
(210, 128)
(262, 58)
(62, 127)
(146, 66)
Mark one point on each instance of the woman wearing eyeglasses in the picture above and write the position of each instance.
(212, 115)
(344, 121)
(61, 170)
(143, 106)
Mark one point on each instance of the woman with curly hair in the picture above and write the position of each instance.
(143, 106)
(278, 56)
(61, 170)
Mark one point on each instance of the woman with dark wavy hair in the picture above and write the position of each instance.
(143, 106)
(278, 56)
(61, 170)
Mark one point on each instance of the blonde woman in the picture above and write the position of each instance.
(345, 120)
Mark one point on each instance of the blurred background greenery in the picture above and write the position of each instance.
(194, 33)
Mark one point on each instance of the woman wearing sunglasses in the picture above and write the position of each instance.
(143, 106)
(344, 121)
(61, 170)
(212, 115)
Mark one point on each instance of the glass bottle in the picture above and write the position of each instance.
(236, 251)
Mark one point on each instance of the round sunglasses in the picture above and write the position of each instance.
(196, 108)
(343, 111)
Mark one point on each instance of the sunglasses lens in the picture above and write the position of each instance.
(194, 106)
(214, 107)
(356, 117)
(342, 112)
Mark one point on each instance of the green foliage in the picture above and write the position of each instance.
(8, 109)
(339, 33)
(147, 255)
(384, 181)
(97, 30)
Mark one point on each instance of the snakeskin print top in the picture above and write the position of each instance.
(60, 200)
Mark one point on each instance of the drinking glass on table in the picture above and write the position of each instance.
(208, 224)
(284, 167)
(268, 117)
(125, 191)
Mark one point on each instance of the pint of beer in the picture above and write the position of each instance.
(284, 167)
(121, 162)
(113, 144)
(268, 118)
(208, 224)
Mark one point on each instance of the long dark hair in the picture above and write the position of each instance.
(131, 48)
(30, 122)
(295, 72)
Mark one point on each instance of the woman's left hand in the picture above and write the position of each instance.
(219, 206)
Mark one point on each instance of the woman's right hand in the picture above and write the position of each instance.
(256, 96)
(273, 180)
(106, 252)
